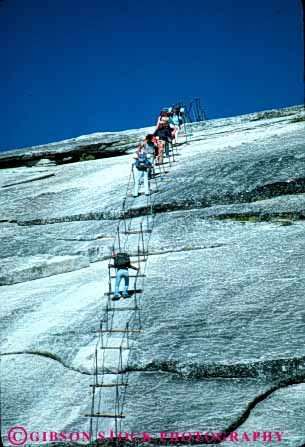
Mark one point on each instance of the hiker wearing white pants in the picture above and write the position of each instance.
(141, 165)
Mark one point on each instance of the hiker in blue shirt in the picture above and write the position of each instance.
(175, 122)
(174, 119)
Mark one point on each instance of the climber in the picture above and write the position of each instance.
(171, 128)
(151, 148)
(122, 264)
(163, 114)
(142, 165)
(164, 137)
(175, 123)
(174, 119)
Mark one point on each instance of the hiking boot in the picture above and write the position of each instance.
(115, 298)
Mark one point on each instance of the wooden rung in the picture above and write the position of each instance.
(158, 173)
(131, 276)
(135, 257)
(100, 415)
(152, 191)
(137, 231)
(107, 385)
(114, 309)
(130, 293)
(114, 347)
(118, 330)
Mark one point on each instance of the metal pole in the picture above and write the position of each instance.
(119, 240)
(142, 237)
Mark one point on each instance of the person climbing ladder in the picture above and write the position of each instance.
(164, 136)
(142, 165)
(122, 264)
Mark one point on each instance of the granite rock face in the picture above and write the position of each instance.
(223, 318)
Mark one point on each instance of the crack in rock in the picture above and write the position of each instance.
(138, 212)
(282, 369)
(262, 216)
(97, 238)
(263, 369)
(275, 189)
(33, 179)
(185, 248)
(103, 215)
(48, 355)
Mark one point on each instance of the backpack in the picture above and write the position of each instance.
(122, 260)
(142, 163)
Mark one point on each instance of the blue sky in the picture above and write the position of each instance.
(72, 67)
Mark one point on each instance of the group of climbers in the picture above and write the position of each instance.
(148, 153)
(151, 150)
